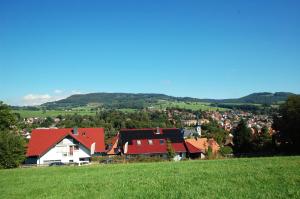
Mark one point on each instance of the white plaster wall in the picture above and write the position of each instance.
(56, 153)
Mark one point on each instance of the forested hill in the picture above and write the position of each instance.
(130, 100)
(256, 98)
(116, 100)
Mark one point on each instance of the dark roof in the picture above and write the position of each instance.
(159, 137)
(173, 134)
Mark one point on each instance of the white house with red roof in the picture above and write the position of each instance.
(67, 145)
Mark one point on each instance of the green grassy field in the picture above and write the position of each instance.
(53, 113)
(188, 105)
(277, 177)
(86, 110)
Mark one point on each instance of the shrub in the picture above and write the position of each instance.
(209, 153)
(226, 150)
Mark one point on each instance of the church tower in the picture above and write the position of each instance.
(198, 127)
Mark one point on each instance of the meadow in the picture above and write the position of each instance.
(275, 177)
(195, 106)
(90, 110)
(53, 113)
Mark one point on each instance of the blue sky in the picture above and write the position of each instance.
(205, 49)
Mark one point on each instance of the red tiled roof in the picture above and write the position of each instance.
(202, 145)
(148, 129)
(155, 148)
(192, 149)
(43, 139)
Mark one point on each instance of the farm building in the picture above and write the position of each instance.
(67, 145)
(149, 142)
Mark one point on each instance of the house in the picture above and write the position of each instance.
(150, 142)
(198, 147)
(67, 145)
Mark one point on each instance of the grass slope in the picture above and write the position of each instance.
(195, 106)
(277, 177)
(52, 113)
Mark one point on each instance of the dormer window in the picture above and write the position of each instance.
(161, 141)
(138, 142)
(150, 142)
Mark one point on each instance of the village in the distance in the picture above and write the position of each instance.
(157, 130)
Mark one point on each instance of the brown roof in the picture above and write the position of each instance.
(203, 143)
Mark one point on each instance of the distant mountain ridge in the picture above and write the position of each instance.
(142, 100)
(256, 98)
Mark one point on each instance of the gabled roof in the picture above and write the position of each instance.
(42, 140)
(114, 148)
(201, 145)
(155, 148)
(173, 134)
(158, 136)
(192, 149)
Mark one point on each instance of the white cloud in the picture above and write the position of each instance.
(36, 99)
(58, 91)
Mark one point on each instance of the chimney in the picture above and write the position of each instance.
(75, 131)
(157, 130)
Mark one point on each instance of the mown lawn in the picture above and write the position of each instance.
(277, 177)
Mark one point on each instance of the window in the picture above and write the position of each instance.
(138, 142)
(161, 141)
(65, 154)
(71, 148)
(76, 147)
(150, 142)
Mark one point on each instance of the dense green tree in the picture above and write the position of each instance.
(12, 149)
(7, 119)
(170, 150)
(47, 122)
(11, 143)
(242, 138)
(287, 123)
(213, 130)
(262, 141)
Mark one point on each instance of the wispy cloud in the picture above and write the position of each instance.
(58, 91)
(36, 99)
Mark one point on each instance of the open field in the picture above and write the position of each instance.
(90, 109)
(188, 105)
(53, 113)
(277, 177)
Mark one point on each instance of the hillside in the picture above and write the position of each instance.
(277, 177)
(138, 101)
